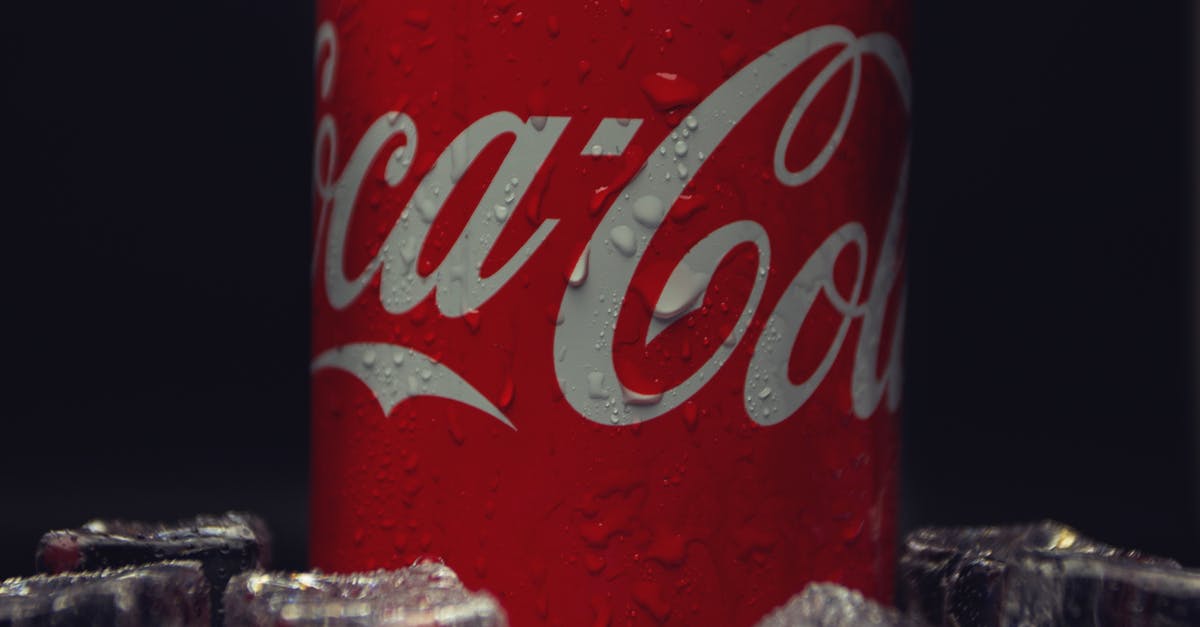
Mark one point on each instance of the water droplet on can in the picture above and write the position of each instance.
(580, 270)
(637, 398)
(668, 91)
(596, 385)
(682, 290)
(648, 211)
(507, 393)
(418, 17)
(623, 240)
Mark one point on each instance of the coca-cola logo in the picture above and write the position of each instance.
(603, 276)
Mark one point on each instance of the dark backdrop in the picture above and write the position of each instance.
(154, 203)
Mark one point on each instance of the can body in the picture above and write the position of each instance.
(607, 299)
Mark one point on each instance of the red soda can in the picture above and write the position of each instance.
(607, 299)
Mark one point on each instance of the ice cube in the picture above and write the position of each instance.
(831, 605)
(423, 595)
(225, 545)
(1040, 574)
(1090, 589)
(168, 594)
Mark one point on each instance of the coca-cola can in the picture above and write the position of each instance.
(607, 299)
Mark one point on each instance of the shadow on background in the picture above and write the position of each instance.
(157, 222)
(157, 216)
(1049, 356)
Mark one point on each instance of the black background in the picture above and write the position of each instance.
(154, 208)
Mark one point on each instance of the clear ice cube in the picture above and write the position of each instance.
(1089, 589)
(225, 545)
(166, 594)
(1040, 574)
(423, 595)
(831, 605)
